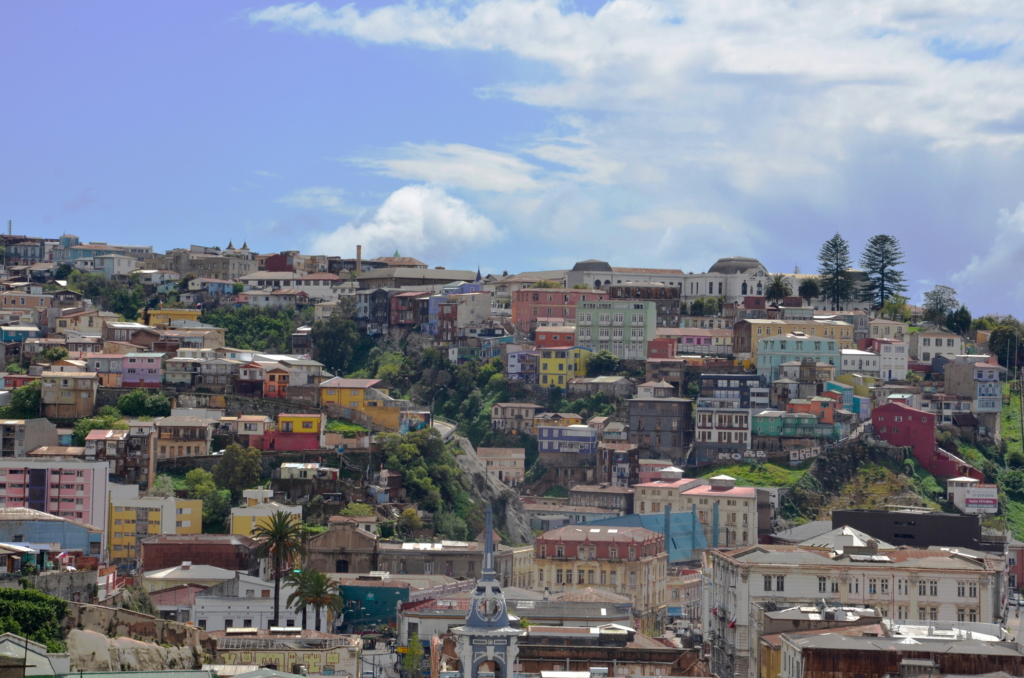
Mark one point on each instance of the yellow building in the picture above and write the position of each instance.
(366, 396)
(132, 518)
(163, 317)
(259, 506)
(556, 419)
(559, 365)
(300, 423)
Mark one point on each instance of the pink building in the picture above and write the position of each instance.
(72, 489)
(142, 370)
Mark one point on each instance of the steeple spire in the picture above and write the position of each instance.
(488, 568)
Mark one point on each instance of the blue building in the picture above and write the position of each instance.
(48, 534)
(18, 333)
(558, 439)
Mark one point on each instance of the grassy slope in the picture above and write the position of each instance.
(761, 475)
(1010, 431)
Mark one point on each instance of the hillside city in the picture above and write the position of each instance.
(218, 462)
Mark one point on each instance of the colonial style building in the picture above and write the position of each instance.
(627, 560)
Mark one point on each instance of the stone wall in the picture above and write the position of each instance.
(73, 586)
(232, 404)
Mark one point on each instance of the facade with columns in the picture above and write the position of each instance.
(913, 584)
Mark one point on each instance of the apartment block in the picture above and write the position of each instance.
(69, 488)
(620, 327)
(132, 518)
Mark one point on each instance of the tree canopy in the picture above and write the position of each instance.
(238, 469)
(880, 259)
(834, 271)
(777, 289)
(809, 289)
(939, 303)
(337, 339)
(143, 403)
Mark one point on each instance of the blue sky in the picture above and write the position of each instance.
(527, 134)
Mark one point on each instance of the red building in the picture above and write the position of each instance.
(12, 381)
(226, 551)
(533, 304)
(1015, 565)
(406, 308)
(904, 426)
(556, 335)
(447, 321)
(276, 383)
(662, 347)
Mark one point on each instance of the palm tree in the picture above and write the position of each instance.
(809, 289)
(777, 289)
(323, 594)
(281, 540)
(299, 579)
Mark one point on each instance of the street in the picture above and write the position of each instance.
(381, 661)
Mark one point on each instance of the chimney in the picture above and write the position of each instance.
(359, 259)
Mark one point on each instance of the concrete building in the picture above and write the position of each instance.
(933, 585)
(18, 437)
(247, 602)
(507, 464)
(257, 511)
(725, 408)
(924, 346)
(529, 306)
(226, 551)
(661, 423)
(514, 417)
(185, 573)
(69, 488)
(622, 328)
(133, 518)
(49, 534)
(977, 378)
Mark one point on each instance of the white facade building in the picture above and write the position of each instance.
(247, 602)
(864, 363)
(935, 585)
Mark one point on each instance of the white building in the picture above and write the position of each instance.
(936, 585)
(925, 346)
(247, 602)
(864, 363)
(736, 507)
(970, 495)
(892, 360)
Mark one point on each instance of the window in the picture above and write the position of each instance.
(558, 576)
(821, 584)
(885, 586)
(872, 586)
(780, 583)
(922, 588)
(933, 588)
(853, 586)
(835, 587)
(973, 589)
(961, 589)
(767, 582)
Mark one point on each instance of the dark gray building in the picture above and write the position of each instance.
(663, 425)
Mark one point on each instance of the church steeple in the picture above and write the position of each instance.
(487, 644)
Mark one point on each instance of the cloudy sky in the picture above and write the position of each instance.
(528, 134)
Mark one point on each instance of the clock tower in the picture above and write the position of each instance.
(487, 644)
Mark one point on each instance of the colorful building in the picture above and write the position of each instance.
(559, 365)
(142, 370)
(795, 346)
(622, 328)
(132, 518)
(163, 317)
(257, 511)
(531, 305)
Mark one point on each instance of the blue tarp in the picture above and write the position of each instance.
(682, 541)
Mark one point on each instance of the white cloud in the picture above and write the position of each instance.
(996, 275)
(869, 66)
(265, 173)
(318, 198)
(420, 221)
(456, 165)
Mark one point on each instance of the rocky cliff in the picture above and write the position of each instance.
(93, 651)
(508, 510)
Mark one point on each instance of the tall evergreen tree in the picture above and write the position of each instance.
(834, 271)
(879, 260)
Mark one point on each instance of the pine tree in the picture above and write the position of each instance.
(880, 257)
(834, 271)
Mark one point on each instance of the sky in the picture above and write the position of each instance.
(528, 134)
